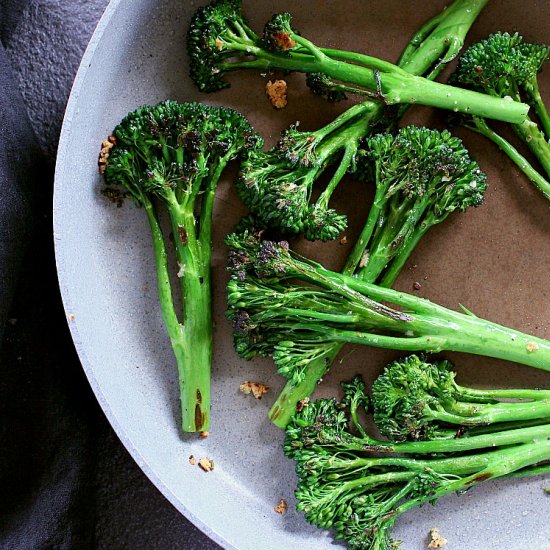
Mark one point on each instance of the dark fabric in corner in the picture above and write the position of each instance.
(19, 158)
(66, 482)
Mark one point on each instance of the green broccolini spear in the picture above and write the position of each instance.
(170, 157)
(285, 321)
(219, 40)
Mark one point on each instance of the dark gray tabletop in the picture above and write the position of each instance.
(65, 479)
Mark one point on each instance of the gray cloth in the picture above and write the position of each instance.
(66, 482)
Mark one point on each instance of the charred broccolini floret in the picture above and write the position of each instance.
(417, 399)
(329, 308)
(277, 185)
(219, 40)
(421, 176)
(170, 157)
(359, 486)
(506, 65)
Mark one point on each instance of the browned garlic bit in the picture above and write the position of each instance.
(281, 507)
(532, 347)
(192, 460)
(206, 464)
(276, 93)
(106, 147)
(301, 404)
(436, 540)
(255, 388)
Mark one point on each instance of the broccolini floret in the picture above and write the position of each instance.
(170, 157)
(421, 176)
(277, 185)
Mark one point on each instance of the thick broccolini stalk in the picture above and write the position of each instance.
(421, 176)
(505, 65)
(415, 399)
(172, 155)
(359, 486)
(219, 40)
(348, 310)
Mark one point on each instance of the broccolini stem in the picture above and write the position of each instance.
(192, 341)
(382, 244)
(195, 354)
(504, 463)
(480, 126)
(359, 249)
(388, 82)
(347, 140)
(503, 426)
(193, 350)
(359, 110)
(435, 323)
(533, 93)
(531, 134)
(461, 444)
(395, 267)
(456, 465)
(418, 38)
(441, 42)
(487, 394)
(473, 414)
(166, 300)
(293, 392)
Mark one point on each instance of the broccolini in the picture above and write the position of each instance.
(360, 486)
(170, 157)
(505, 65)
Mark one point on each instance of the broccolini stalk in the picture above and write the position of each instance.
(505, 65)
(219, 41)
(357, 313)
(359, 486)
(171, 156)
(479, 125)
(415, 399)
